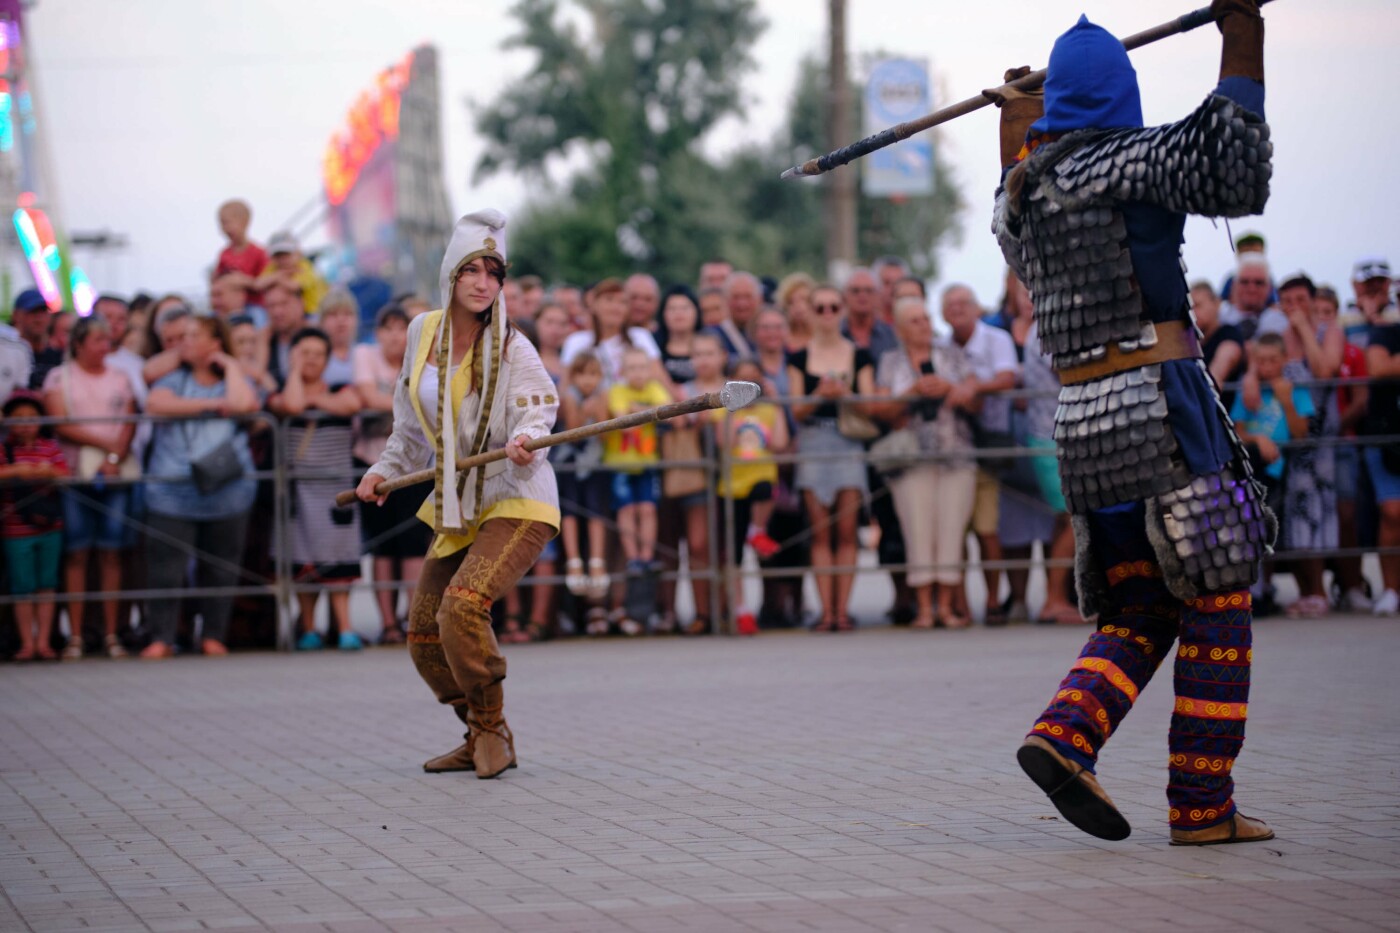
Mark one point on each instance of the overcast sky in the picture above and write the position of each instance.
(156, 110)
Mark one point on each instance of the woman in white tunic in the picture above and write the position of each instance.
(466, 368)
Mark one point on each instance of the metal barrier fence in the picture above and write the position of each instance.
(717, 463)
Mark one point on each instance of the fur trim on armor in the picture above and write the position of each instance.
(1089, 577)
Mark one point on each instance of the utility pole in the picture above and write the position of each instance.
(841, 184)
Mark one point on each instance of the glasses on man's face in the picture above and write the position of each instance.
(860, 288)
(827, 309)
(1256, 282)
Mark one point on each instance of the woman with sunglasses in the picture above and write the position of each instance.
(831, 474)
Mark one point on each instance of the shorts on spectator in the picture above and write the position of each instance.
(33, 562)
(986, 504)
(96, 518)
(1348, 463)
(636, 488)
(586, 497)
(326, 573)
(1386, 483)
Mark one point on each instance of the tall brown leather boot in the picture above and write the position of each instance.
(493, 747)
(459, 759)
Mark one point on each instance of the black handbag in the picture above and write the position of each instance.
(214, 470)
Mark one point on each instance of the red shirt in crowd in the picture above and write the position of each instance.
(1353, 366)
(12, 521)
(250, 259)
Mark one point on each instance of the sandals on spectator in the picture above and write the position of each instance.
(47, 653)
(597, 624)
(929, 621)
(25, 654)
(393, 635)
(844, 624)
(1065, 615)
(73, 651)
(511, 633)
(113, 646)
(825, 625)
(212, 648)
(953, 620)
(698, 626)
(157, 651)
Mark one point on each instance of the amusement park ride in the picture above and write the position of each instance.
(26, 194)
(384, 199)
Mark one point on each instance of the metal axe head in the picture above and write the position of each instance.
(737, 395)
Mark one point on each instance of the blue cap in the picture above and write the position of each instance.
(30, 300)
(1090, 84)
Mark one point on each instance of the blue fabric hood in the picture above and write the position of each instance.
(1090, 83)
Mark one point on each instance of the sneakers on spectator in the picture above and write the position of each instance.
(310, 641)
(597, 624)
(73, 651)
(1355, 600)
(113, 646)
(349, 641)
(1308, 607)
(764, 546)
(745, 623)
(630, 627)
(664, 624)
(575, 580)
(1388, 604)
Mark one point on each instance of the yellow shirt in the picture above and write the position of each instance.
(635, 447)
(313, 287)
(751, 451)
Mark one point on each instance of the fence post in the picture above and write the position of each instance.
(281, 520)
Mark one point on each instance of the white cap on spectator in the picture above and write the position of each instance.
(1370, 267)
(282, 242)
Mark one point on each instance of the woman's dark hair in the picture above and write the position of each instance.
(663, 333)
(312, 333)
(393, 311)
(238, 320)
(81, 330)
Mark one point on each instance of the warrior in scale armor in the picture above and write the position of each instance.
(1170, 524)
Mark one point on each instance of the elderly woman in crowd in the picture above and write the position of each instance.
(340, 319)
(932, 496)
(94, 516)
(205, 513)
(832, 481)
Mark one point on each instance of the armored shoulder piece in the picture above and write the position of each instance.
(1216, 162)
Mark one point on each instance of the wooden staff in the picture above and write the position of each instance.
(1030, 82)
(734, 396)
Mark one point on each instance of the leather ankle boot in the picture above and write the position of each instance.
(459, 759)
(493, 747)
(1238, 828)
(1073, 790)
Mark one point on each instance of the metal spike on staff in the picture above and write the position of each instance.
(734, 396)
(888, 137)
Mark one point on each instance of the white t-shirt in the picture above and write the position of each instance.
(991, 352)
(16, 361)
(610, 353)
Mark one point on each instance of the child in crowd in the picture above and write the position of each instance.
(751, 435)
(241, 256)
(636, 486)
(31, 523)
(583, 492)
(1281, 413)
(287, 265)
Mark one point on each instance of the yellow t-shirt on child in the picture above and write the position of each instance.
(751, 452)
(634, 448)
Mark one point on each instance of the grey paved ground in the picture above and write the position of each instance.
(790, 782)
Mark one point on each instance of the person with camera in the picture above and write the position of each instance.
(930, 469)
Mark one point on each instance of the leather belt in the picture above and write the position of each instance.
(1175, 341)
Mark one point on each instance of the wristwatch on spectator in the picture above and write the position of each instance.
(113, 459)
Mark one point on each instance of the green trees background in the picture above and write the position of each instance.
(608, 126)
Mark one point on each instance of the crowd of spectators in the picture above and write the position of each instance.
(891, 422)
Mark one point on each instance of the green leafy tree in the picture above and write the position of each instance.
(630, 88)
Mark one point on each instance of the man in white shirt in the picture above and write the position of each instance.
(992, 353)
(16, 355)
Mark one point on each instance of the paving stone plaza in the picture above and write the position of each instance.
(790, 782)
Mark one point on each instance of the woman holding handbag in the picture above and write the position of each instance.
(205, 512)
(831, 433)
(96, 515)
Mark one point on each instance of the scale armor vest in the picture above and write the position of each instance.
(1067, 240)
